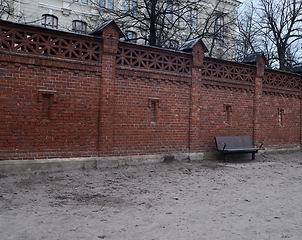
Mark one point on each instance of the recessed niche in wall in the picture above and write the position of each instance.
(281, 113)
(153, 104)
(47, 98)
(228, 113)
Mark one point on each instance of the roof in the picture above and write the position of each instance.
(253, 58)
(296, 68)
(188, 45)
(99, 30)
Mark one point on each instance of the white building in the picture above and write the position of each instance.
(177, 21)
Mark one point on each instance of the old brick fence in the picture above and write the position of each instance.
(71, 95)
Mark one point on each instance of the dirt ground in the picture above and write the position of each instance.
(259, 199)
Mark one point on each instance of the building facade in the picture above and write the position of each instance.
(175, 21)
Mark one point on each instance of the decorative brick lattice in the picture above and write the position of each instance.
(231, 73)
(279, 80)
(48, 45)
(153, 61)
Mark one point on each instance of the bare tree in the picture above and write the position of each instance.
(275, 28)
(11, 10)
(247, 34)
(155, 21)
(6, 8)
(163, 23)
(219, 27)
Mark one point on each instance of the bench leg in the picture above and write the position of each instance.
(253, 156)
(224, 157)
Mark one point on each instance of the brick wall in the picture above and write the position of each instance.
(281, 109)
(68, 95)
(281, 120)
(47, 111)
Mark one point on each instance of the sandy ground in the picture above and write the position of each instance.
(259, 199)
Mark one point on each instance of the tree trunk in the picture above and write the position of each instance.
(281, 56)
(152, 38)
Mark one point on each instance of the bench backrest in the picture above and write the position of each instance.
(234, 142)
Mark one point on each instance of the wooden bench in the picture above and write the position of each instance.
(236, 144)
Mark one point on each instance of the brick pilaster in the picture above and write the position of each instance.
(110, 37)
(195, 94)
(257, 131)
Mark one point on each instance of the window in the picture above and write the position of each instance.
(176, 12)
(107, 4)
(83, 1)
(126, 6)
(134, 8)
(130, 6)
(189, 15)
(49, 21)
(194, 18)
(110, 4)
(219, 28)
(170, 12)
(192, 15)
(131, 36)
(79, 26)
